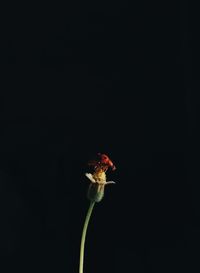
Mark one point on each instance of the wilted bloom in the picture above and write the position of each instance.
(98, 177)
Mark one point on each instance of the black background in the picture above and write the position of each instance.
(106, 77)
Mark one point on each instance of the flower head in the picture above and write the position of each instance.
(98, 177)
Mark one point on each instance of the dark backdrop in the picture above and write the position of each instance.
(80, 79)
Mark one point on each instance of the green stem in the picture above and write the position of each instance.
(87, 219)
